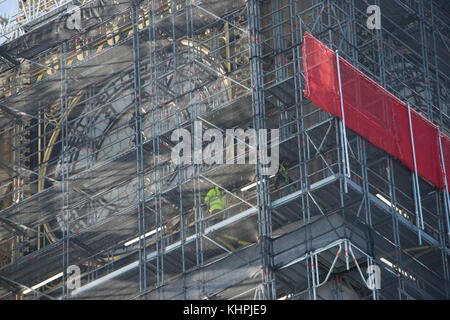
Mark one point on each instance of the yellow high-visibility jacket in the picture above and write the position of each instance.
(216, 200)
(283, 171)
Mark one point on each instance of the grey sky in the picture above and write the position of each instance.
(8, 7)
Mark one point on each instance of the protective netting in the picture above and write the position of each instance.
(373, 112)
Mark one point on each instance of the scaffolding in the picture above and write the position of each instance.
(87, 180)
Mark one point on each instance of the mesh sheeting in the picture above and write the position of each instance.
(373, 112)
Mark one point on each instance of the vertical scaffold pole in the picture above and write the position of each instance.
(138, 114)
(259, 122)
(64, 169)
(342, 126)
(446, 197)
(416, 187)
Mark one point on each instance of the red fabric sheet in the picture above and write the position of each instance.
(373, 112)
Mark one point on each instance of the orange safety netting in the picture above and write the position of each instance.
(373, 112)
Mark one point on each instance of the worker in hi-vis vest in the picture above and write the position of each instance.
(283, 178)
(283, 174)
(216, 200)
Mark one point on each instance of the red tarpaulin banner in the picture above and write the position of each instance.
(373, 112)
